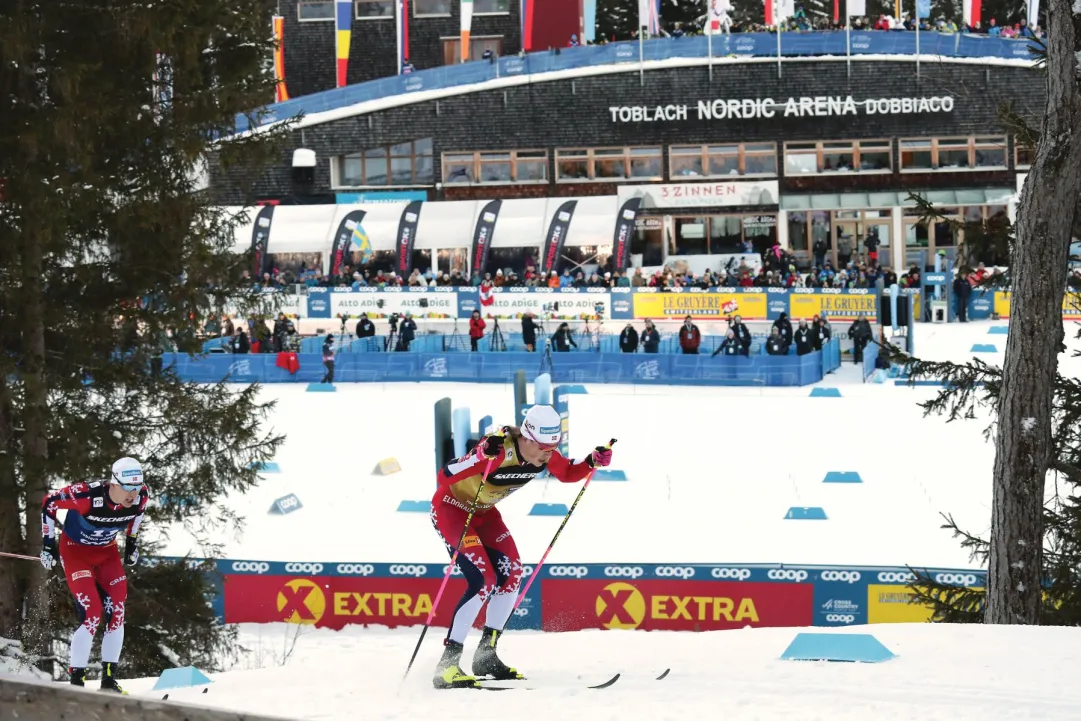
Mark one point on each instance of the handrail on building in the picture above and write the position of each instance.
(740, 45)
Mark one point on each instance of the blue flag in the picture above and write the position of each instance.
(923, 9)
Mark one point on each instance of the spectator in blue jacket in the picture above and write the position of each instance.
(651, 339)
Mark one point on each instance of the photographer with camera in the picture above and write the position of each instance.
(407, 331)
(328, 359)
(529, 332)
(365, 328)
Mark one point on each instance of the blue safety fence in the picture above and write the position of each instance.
(741, 44)
(758, 370)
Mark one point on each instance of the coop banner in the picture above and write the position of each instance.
(672, 604)
(834, 303)
(341, 600)
(422, 303)
(1071, 305)
(712, 304)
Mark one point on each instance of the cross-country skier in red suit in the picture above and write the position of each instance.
(96, 513)
(489, 559)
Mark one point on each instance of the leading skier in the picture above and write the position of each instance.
(488, 558)
(97, 512)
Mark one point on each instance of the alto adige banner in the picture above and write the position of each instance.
(422, 303)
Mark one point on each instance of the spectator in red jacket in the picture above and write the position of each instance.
(476, 329)
(689, 337)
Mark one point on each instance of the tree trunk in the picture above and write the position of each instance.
(12, 571)
(35, 444)
(1038, 266)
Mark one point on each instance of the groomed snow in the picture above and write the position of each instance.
(941, 673)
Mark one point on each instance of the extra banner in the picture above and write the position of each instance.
(260, 236)
(557, 234)
(350, 232)
(567, 597)
(407, 236)
(621, 241)
(482, 236)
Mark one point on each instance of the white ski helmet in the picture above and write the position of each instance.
(128, 472)
(543, 425)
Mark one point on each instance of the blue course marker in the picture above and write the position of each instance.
(414, 507)
(825, 393)
(803, 513)
(851, 647)
(549, 509)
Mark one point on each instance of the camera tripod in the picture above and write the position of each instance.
(455, 341)
(496, 342)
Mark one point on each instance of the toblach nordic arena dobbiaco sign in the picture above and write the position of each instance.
(796, 107)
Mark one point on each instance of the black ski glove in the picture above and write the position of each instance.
(493, 444)
(131, 552)
(50, 554)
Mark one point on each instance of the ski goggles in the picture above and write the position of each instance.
(130, 484)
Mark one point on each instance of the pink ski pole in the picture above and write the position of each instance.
(537, 568)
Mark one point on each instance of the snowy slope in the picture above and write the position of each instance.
(941, 673)
(712, 473)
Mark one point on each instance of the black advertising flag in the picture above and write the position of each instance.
(482, 236)
(343, 240)
(557, 235)
(621, 241)
(260, 237)
(407, 236)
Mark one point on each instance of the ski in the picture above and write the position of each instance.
(663, 675)
(483, 685)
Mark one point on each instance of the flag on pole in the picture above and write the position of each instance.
(649, 16)
(466, 26)
(777, 11)
(343, 27)
(402, 20)
(856, 8)
(923, 9)
(1033, 13)
(718, 16)
(527, 24)
(970, 10)
(280, 93)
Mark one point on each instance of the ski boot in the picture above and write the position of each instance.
(487, 663)
(78, 676)
(108, 679)
(448, 674)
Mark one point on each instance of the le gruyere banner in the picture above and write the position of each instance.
(749, 306)
(1071, 305)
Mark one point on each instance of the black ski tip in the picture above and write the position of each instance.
(206, 689)
(165, 697)
(666, 672)
(607, 683)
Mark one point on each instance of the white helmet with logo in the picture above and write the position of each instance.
(128, 472)
(543, 425)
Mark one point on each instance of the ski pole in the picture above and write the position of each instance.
(19, 556)
(537, 568)
(450, 567)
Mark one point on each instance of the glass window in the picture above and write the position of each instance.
(422, 146)
(723, 160)
(430, 8)
(691, 236)
(646, 163)
(797, 232)
(973, 213)
(481, 7)
(760, 231)
(916, 155)
(838, 157)
(375, 170)
(953, 153)
(760, 159)
(685, 161)
(875, 155)
(401, 170)
(351, 170)
(374, 9)
(725, 233)
(402, 150)
(1023, 156)
(990, 153)
(800, 158)
(495, 167)
(572, 164)
(532, 166)
(457, 168)
(314, 10)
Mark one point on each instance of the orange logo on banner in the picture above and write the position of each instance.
(301, 601)
(620, 605)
